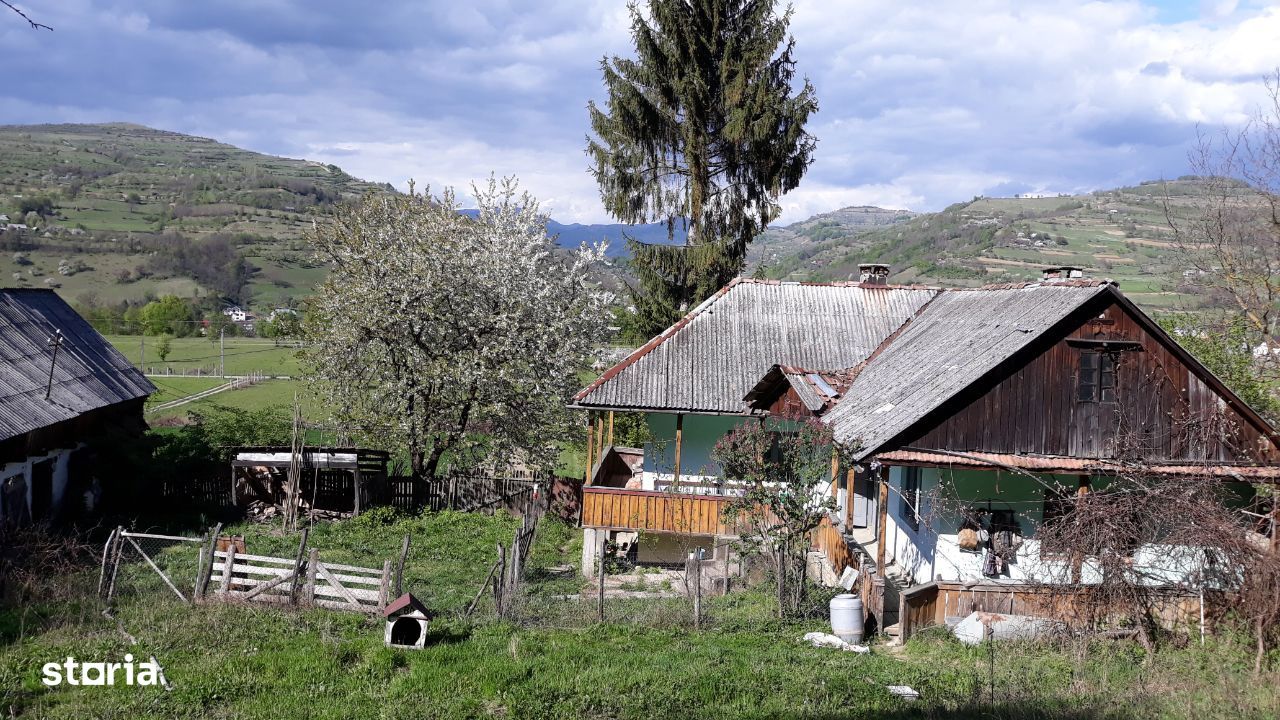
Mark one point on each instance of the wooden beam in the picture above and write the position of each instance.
(610, 428)
(850, 479)
(835, 471)
(882, 517)
(590, 450)
(679, 440)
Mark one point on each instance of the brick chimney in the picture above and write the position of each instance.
(1060, 274)
(873, 274)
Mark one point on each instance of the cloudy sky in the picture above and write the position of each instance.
(922, 103)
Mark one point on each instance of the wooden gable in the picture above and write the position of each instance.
(1109, 384)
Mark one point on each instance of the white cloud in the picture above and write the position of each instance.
(922, 104)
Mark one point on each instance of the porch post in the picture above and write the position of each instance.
(599, 438)
(835, 471)
(849, 479)
(610, 428)
(882, 517)
(591, 446)
(679, 438)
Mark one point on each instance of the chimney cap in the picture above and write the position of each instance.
(1063, 273)
(873, 273)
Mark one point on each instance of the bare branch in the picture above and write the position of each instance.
(34, 25)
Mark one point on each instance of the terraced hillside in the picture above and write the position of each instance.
(122, 211)
(1121, 234)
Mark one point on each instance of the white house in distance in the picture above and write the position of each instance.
(1006, 397)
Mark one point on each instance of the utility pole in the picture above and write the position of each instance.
(55, 342)
(142, 354)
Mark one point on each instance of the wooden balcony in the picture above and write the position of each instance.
(619, 509)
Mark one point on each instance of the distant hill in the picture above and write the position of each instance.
(138, 212)
(1120, 234)
(126, 212)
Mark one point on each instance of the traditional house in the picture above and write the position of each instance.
(967, 392)
(61, 383)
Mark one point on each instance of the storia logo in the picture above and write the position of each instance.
(73, 672)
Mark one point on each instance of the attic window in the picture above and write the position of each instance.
(1097, 380)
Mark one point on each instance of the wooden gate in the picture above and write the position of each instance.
(263, 578)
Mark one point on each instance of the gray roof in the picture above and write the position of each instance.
(709, 360)
(955, 340)
(89, 373)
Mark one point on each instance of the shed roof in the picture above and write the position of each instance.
(89, 373)
(956, 339)
(717, 353)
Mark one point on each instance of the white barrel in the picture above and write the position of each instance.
(846, 618)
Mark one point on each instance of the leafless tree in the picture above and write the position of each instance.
(1228, 234)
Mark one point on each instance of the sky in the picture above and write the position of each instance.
(922, 104)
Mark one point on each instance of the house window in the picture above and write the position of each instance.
(909, 507)
(1097, 379)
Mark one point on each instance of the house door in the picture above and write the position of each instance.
(41, 490)
(864, 498)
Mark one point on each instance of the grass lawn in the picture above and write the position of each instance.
(244, 356)
(260, 395)
(248, 661)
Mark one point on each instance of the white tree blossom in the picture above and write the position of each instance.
(450, 335)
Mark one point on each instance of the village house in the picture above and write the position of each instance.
(1001, 399)
(61, 383)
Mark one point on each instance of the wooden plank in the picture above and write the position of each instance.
(324, 573)
(373, 596)
(228, 567)
(254, 569)
(265, 586)
(309, 591)
(244, 557)
(384, 588)
(178, 538)
(334, 605)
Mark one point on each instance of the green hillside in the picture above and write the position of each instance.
(122, 212)
(1120, 234)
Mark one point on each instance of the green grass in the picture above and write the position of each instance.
(248, 661)
(173, 388)
(244, 356)
(261, 395)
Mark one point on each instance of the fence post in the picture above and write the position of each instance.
(384, 587)
(106, 558)
(227, 564)
(210, 551)
(697, 589)
(115, 563)
(404, 554)
(297, 568)
(313, 562)
(600, 577)
(500, 580)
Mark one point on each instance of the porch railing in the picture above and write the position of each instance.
(656, 511)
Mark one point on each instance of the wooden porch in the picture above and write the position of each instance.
(622, 509)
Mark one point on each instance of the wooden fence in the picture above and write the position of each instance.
(937, 602)
(464, 491)
(263, 578)
(828, 538)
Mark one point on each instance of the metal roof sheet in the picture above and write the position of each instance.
(89, 373)
(956, 339)
(1058, 464)
(710, 359)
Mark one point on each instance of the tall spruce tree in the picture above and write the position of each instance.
(703, 131)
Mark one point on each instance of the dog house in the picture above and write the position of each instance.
(407, 620)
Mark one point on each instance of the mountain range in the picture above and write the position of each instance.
(135, 212)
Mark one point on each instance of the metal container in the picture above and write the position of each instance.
(846, 618)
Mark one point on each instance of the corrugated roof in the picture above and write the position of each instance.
(710, 359)
(1057, 464)
(956, 339)
(89, 373)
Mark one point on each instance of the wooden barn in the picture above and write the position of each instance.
(61, 385)
(969, 391)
